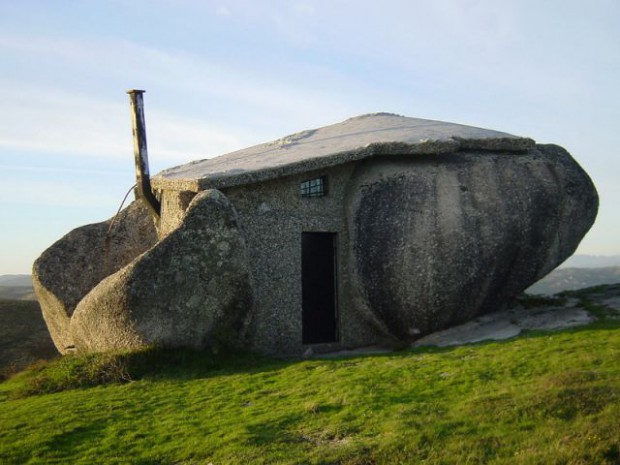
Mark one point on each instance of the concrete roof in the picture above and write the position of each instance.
(377, 134)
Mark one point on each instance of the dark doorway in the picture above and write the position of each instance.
(318, 285)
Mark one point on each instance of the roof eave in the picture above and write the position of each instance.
(429, 147)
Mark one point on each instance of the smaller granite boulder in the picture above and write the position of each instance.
(75, 264)
(192, 289)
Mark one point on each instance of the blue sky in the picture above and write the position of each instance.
(223, 75)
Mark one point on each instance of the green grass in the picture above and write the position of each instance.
(543, 399)
(547, 398)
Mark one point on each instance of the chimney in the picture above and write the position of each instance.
(143, 179)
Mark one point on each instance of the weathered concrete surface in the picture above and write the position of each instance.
(71, 267)
(358, 138)
(173, 207)
(437, 242)
(192, 289)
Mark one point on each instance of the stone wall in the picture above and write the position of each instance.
(173, 207)
(272, 216)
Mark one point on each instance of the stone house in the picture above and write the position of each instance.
(376, 230)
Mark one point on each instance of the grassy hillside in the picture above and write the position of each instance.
(16, 287)
(17, 293)
(546, 398)
(24, 338)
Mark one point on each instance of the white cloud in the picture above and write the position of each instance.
(222, 11)
(52, 121)
(58, 193)
(75, 170)
(174, 139)
(304, 8)
(44, 120)
(55, 118)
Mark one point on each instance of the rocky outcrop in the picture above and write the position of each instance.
(438, 241)
(75, 264)
(191, 289)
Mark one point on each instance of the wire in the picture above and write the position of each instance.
(119, 209)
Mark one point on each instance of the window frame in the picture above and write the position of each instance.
(314, 187)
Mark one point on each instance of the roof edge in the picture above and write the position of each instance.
(428, 147)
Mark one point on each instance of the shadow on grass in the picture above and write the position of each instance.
(74, 372)
(598, 325)
(82, 371)
(262, 434)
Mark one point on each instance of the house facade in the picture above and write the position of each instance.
(297, 242)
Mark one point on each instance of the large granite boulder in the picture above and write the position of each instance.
(437, 241)
(75, 264)
(192, 289)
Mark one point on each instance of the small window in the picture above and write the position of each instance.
(316, 187)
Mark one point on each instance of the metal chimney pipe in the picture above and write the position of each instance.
(141, 157)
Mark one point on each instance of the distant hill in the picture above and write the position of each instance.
(564, 279)
(19, 280)
(16, 287)
(591, 261)
(24, 337)
(17, 293)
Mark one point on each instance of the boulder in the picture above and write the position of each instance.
(439, 241)
(76, 263)
(192, 289)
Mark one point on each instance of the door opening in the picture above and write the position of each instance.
(318, 284)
